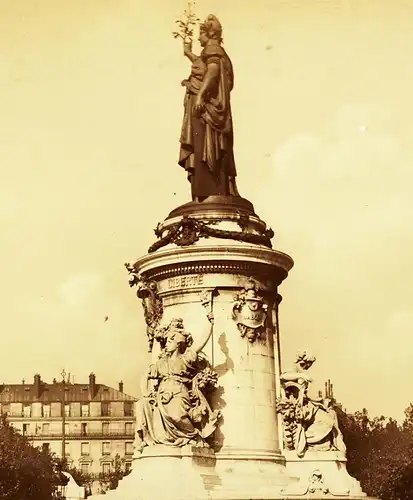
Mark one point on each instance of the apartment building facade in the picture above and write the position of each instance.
(89, 424)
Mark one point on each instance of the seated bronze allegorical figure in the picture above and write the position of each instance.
(207, 139)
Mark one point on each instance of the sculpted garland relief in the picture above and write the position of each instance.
(188, 231)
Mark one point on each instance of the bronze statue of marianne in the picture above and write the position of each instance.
(207, 134)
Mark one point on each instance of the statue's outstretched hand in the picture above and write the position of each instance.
(187, 47)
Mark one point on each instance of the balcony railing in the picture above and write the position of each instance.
(111, 415)
(80, 435)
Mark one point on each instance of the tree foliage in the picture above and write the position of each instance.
(29, 473)
(116, 474)
(26, 472)
(380, 453)
(109, 480)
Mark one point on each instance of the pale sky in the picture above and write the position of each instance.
(91, 109)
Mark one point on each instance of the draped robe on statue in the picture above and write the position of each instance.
(167, 417)
(207, 141)
(319, 428)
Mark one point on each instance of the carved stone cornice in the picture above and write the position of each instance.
(231, 259)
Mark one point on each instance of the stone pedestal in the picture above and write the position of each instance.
(218, 249)
(166, 473)
(246, 445)
(323, 472)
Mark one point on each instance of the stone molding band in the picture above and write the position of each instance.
(245, 454)
(214, 259)
(223, 268)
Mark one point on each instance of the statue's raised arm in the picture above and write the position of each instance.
(207, 133)
(205, 336)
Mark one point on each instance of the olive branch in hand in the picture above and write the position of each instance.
(186, 25)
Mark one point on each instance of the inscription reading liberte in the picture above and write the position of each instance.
(186, 281)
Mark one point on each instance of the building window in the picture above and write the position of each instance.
(67, 428)
(128, 428)
(67, 448)
(45, 428)
(128, 408)
(106, 448)
(84, 449)
(5, 409)
(27, 411)
(105, 468)
(105, 427)
(84, 410)
(128, 467)
(25, 429)
(104, 409)
(46, 410)
(84, 468)
(46, 447)
(128, 448)
(83, 429)
(67, 410)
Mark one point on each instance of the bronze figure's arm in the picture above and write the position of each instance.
(188, 52)
(209, 80)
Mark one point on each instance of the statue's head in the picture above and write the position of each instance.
(210, 29)
(177, 339)
(305, 360)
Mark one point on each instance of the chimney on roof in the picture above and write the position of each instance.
(121, 386)
(92, 385)
(37, 385)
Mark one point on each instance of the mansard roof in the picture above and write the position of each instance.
(49, 393)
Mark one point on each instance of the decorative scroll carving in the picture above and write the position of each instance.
(189, 230)
(308, 423)
(250, 312)
(151, 302)
(174, 409)
(317, 483)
